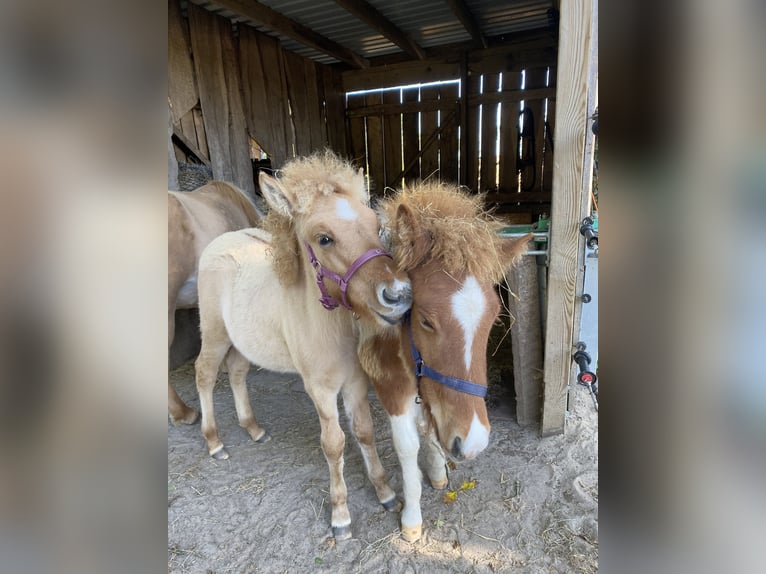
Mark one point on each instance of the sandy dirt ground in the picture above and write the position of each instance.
(533, 507)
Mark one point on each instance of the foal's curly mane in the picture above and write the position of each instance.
(463, 233)
(307, 178)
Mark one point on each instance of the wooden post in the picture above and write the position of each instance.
(527, 340)
(569, 143)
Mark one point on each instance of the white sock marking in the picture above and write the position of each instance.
(468, 306)
(344, 210)
(407, 443)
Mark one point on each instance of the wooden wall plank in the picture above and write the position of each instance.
(569, 141)
(357, 131)
(429, 122)
(508, 135)
(410, 126)
(335, 110)
(182, 87)
(299, 101)
(448, 142)
(199, 126)
(392, 137)
(217, 70)
(535, 78)
(375, 147)
(315, 122)
(264, 89)
(472, 134)
(488, 171)
(548, 158)
(188, 128)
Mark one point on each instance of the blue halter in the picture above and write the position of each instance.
(423, 370)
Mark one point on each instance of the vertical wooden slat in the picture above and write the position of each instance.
(508, 135)
(429, 161)
(300, 101)
(375, 149)
(265, 94)
(489, 137)
(548, 157)
(335, 110)
(358, 138)
(315, 124)
(188, 128)
(182, 87)
(535, 78)
(199, 126)
(392, 137)
(569, 141)
(472, 133)
(448, 143)
(410, 123)
(218, 78)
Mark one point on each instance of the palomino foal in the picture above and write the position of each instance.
(258, 303)
(195, 218)
(432, 374)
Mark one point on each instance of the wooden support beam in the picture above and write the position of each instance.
(375, 20)
(565, 244)
(189, 145)
(463, 14)
(253, 10)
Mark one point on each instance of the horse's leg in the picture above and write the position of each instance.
(215, 344)
(177, 409)
(436, 464)
(358, 411)
(333, 442)
(238, 367)
(407, 443)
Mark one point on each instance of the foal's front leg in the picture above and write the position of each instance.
(333, 442)
(407, 443)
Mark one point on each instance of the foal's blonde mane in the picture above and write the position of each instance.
(307, 178)
(463, 234)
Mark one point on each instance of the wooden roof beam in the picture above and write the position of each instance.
(375, 20)
(253, 10)
(463, 14)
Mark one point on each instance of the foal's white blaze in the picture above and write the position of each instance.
(477, 439)
(344, 210)
(468, 307)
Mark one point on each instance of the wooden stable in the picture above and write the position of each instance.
(239, 91)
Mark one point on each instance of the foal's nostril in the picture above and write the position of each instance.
(457, 447)
(399, 295)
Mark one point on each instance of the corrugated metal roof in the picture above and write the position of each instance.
(428, 22)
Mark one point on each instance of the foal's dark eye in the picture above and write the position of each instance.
(324, 240)
(426, 324)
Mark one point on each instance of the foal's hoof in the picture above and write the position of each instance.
(220, 453)
(188, 418)
(412, 533)
(439, 484)
(265, 437)
(341, 532)
(392, 505)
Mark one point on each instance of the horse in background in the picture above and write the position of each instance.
(258, 304)
(195, 218)
(431, 373)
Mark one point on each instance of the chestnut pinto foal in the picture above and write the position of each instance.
(451, 251)
(258, 303)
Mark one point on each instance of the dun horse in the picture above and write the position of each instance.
(194, 219)
(258, 303)
(451, 251)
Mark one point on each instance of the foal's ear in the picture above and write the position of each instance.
(414, 241)
(275, 195)
(512, 248)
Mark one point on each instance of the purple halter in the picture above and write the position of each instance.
(329, 302)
